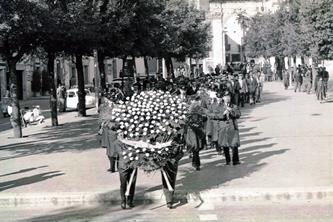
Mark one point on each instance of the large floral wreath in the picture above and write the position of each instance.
(150, 128)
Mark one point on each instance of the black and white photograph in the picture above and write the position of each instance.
(166, 110)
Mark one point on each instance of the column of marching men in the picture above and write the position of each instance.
(214, 108)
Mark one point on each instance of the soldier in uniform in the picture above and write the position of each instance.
(252, 86)
(226, 114)
(195, 135)
(171, 169)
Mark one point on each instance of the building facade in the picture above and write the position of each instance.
(226, 30)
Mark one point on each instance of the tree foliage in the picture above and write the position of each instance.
(298, 28)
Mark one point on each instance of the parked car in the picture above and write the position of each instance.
(72, 101)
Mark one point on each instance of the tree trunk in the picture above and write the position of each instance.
(15, 119)
(53, 91)
(81, 92)
(101, 67)
(290, 71)
(314, 72)
(146, 66)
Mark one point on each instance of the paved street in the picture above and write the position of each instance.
(59, 174)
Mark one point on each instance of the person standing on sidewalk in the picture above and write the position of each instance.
(298, 79)
(62, 97)
(286, 77)
(252, 85)
(108, 132)
(307, 81)
(326, 77)
(261, 80)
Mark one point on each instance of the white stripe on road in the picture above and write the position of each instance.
(207, 206)
(208, 217)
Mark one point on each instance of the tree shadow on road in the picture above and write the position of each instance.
(75, 136)
(22, 171)
(29, 180)
(106, 207)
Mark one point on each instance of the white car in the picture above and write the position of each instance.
(72, 100)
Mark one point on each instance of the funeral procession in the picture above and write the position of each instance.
(174, 110)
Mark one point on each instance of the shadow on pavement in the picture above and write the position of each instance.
(76, 136)
(22, 171)
(105, 208)
(29, 180)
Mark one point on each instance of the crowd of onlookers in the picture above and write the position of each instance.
(304, 81)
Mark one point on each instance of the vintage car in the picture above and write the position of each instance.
(72, 100)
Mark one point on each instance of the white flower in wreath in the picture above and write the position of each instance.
(131, 135)
(147, 154)
(131, 158)
(152, 131)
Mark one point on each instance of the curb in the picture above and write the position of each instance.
(227, 197)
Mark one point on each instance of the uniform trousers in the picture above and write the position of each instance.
(113, 163)
(125, 175)
(171, 171)
(235, 155)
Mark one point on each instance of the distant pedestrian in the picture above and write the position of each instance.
(286, 78)
(261, 80)
(298, 79)
(252, 85)
(325, 81)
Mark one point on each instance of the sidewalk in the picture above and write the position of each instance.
(286, 155)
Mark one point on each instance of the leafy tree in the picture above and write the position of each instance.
(185, 33)
(19, 33)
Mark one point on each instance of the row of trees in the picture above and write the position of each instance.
(298, 28)
(109, 28)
